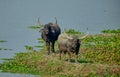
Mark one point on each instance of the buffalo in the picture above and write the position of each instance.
(50, 33)
(69, 44)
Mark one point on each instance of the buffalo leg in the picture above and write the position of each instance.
(60, 54)
(64, 54)
(76, 57)
(48, 47)
(52, 47)
(69, 53)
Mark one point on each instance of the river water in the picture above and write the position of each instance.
(17, 15)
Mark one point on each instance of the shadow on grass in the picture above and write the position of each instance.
(84, 61)
(79, 61)
(73, 60)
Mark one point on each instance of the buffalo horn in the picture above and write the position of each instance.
(67, 36)
(56, 20)
(39, 22)
(84, 36)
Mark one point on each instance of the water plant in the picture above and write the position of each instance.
(28, 48)
(2, 41)
(72, 31)
(5, 49)
(111, 31)
(34, 27)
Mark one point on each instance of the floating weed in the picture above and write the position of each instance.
(2, 41)
(39, 46)
(40, 40)
(0, 48)
(6, 49)
(28, 48)
(34, 27)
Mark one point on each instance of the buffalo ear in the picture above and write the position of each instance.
(41, 30)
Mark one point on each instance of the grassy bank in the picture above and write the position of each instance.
(99, 56)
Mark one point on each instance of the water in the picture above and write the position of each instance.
(17, 15)
(16, 75)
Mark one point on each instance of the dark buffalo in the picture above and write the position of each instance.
(69, 44)
(49, 34)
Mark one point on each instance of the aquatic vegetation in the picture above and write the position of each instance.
(99, 56)
(40, 40)
(28, 48)
(2, 41)
(72, 31)
(33, 48)
(34, 27)
(5, 49)
(111, 31)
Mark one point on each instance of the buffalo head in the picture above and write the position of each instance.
(49, 33)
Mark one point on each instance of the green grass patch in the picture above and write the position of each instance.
(111, 31)
(72, 31)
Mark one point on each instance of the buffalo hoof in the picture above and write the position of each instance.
(48, 53)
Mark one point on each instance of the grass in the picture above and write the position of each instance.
(72, 31)
(101, 59)
(111, 31)
(39, 63)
